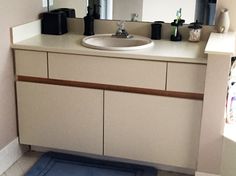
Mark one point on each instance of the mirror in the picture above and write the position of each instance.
(144, 10)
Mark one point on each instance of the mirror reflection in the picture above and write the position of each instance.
(143, 10)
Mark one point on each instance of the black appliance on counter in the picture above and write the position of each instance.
(55, 21)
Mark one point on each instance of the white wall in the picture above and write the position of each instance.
(78, 5)
(122, 9)
(12, 13)
(154, 10)
(157, 10)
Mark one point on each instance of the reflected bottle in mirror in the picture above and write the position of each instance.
(96, 11)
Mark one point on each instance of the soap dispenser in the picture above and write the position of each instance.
(89, 23)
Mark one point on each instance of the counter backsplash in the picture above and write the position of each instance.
(76, 25)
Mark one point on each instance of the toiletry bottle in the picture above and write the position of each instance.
(89, 23)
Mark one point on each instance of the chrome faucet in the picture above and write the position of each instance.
(121, 31)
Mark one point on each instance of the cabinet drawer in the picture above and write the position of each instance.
(186, 77)
(104, 70)
(31, 63)
(60, 117)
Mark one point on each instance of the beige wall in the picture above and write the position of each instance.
(12, 13)
(231, 5)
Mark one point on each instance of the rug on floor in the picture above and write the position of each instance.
(59, 164)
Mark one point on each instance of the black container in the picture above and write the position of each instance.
(54, 23)
(70, 13)
(89, 23)
(156, 30)
(176, 36)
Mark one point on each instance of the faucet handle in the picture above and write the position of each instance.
(121, 32)
(134, 17)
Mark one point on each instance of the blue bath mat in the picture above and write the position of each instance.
(58, 164)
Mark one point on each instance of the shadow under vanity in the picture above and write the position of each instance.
(148, 105)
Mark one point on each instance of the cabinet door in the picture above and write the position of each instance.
(151, 128)
(31, 63)
(60, 117)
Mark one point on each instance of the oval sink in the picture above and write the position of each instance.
(109, 42)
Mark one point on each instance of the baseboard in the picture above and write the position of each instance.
(204, 174)
(10, 154)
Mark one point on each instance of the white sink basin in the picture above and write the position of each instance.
(109, 42)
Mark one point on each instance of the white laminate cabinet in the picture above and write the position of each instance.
(186, 77)
(31, 63)
(105, 70)
(60, 117)
(151, 128)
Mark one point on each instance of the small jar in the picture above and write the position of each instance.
(195, 31)
(156, 30)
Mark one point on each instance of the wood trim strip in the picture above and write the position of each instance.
(103, 125)
(47, 66)
(185, 95)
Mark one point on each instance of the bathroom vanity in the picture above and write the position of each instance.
(144, 105)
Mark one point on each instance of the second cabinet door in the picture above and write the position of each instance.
(151, 128)
(60, 117)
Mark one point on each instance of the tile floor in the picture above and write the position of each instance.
(20, 167)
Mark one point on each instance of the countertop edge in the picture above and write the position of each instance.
(101, 53)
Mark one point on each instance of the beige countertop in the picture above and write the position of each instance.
(162, 50)
(221, 43)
